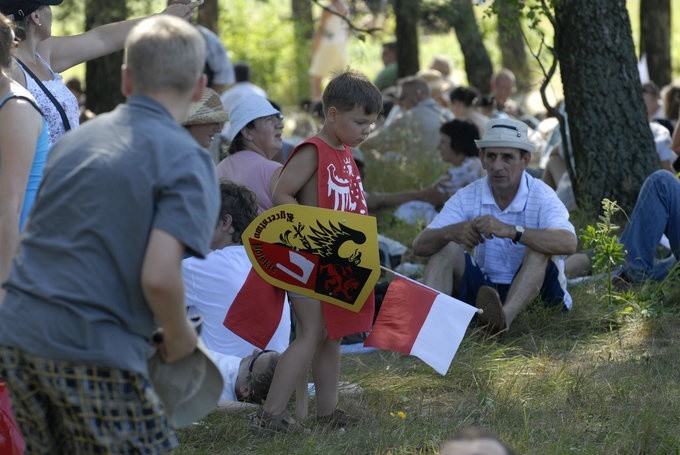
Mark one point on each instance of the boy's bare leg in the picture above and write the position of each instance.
(294, 362)
(326, 373)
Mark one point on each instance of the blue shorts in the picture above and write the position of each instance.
(551, 292)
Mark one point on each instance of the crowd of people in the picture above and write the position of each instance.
(143, 211)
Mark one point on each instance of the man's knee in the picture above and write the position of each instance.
(451, 257)
(534, 258)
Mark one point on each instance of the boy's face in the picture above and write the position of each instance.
(352, 127)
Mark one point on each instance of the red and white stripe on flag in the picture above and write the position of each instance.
(417, 320)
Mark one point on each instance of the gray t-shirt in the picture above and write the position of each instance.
(74, 290)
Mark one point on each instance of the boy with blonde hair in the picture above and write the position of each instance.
(322, 173)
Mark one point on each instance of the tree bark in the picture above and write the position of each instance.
(611, 139)
(407, 13)
(208, 15)
(303, 29)
(511, 42)
(102, 75)
(477, 62)
(655, 39)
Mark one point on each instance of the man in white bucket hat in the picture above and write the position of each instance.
(499, 241)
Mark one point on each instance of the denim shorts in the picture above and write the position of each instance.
(65, 407)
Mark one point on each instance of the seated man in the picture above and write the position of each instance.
(415, 130)
(211, 284)
(656, 212)
(516, 226)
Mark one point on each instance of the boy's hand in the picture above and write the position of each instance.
(177, 343)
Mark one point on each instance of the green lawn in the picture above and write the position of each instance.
(596, 380)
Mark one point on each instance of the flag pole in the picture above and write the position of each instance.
(479, 310)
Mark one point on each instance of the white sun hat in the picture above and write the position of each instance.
(506, 132)
(246, 109)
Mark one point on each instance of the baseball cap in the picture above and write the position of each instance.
(19, 9)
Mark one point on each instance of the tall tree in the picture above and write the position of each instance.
(208, 15)
(511, 42)
(303, 29)
(477, 61)
(102, 77)
(407, 13)
(655, 39)
(611, 140)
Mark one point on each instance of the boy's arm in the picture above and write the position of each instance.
(164, 291)
(295, 176)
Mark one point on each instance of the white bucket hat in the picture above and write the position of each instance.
(246, 109)
(506, 132)
(189, 388)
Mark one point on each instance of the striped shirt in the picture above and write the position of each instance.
(535, 206)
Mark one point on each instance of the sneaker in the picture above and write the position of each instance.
(266, 423)
(490, 303)
(337, 419)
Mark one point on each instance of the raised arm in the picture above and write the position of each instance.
(430, 194)
(164, 292)
(64, 52)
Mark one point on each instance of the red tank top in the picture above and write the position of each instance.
(339, 188)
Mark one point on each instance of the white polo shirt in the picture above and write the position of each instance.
(535, 206)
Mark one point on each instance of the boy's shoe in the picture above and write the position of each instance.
(490, 303)
(266, 423)
(337, 419)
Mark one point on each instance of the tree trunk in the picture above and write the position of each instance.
(208, 15)
(477, 62)
(655, 39)
(303, 29)
(611, 139)
(407, 13)
(102, 75)
(511, 42)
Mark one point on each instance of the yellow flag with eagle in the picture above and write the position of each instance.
(325, 254)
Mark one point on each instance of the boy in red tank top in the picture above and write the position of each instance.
(322, 173)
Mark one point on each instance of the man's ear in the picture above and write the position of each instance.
(526, 157)
(125, 81)
(200, 86)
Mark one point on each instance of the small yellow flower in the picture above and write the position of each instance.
(400, 414)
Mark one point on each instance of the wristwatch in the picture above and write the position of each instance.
(519, 230)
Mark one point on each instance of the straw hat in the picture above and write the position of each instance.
(246, 109)
(208, 109)
(189, 388)
(506, 132)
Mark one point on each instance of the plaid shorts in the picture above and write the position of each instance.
(63, 407)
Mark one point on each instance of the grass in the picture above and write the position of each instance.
(600, 379)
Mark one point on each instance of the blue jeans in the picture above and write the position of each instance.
(656, 212)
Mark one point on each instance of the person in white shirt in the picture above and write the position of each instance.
(211, 284)
(514, 223)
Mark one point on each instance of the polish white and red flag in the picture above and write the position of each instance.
(417, 320)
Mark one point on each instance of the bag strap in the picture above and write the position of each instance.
(64, 119)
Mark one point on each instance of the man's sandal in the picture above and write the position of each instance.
(490, 303)
(266, 423)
